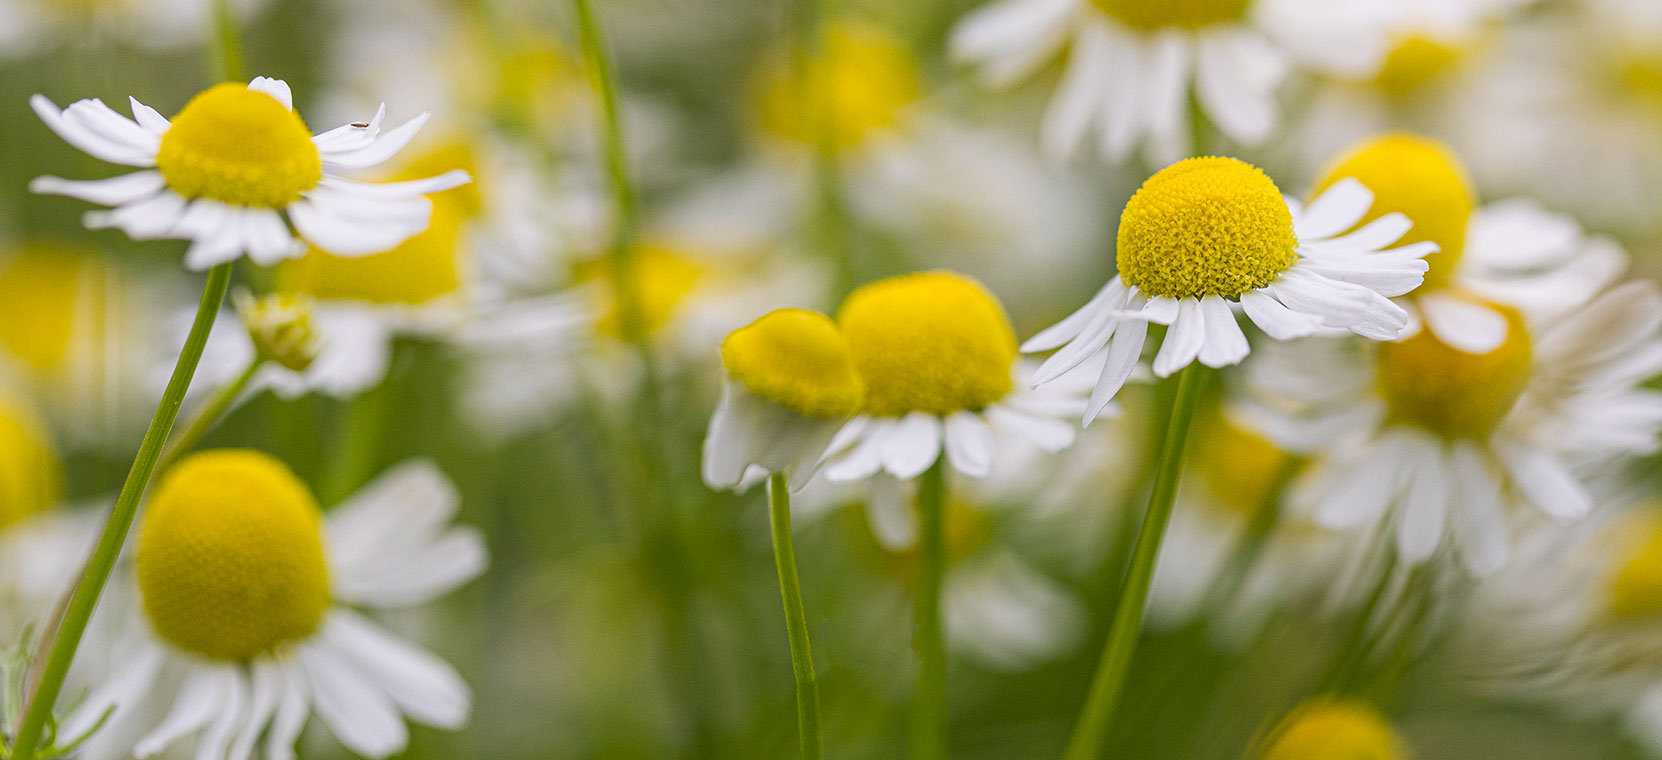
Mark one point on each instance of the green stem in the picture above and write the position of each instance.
(929, 740)
(1352, 652)
(208, 416)
(103, 558)
(1109, 682)
(228, 53)
(796, 620)
(358, 438)
(833, 225)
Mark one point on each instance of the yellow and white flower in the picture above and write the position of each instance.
(1429, 439)
(1132, 64)
(235, 169)
(1205, 233)
(939, 361)
(790, 385)
(250, 621)
(1512, 252)
(1323, 728)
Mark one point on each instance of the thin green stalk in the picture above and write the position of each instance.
(929, 740)
(102, 560)
(1109, 682)
(208, 416)
(833, 225)
(1352, 653)
(796, 620)
(358, 439)
(228, 53)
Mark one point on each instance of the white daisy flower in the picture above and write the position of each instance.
(1132, 64)
(235, 169)
(250, 618)
(938, 357)
(1513, 252)
(1432, 440)
(790, 384)
(1573, 623)
(1206, 232)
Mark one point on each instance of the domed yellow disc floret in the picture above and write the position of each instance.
(31, 477)
(1240, 468)
(933, 342)
(52, 294)
(239, 146)
(1205, 226)
(1420, 178)
(1435, 386)
(1635, 585)
(1160, 14)
(230, 556)
(798, 359)
(865, 80)
(1334, 730)
(1415, 61)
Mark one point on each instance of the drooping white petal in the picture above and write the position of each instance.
(1225, 343)
(425, 687)
(276, 88)
(1079, 96)
(265, 688)
(99, 131)
(1111, 296)
(1184, 339)
(1275, 319)
(381, 148)
(913, 445)
(1470, 327)
(1479, 526)
(202, 694)
(1546, 481)
(145, 219)
(114, 191)
(358, 713)
(1337, 209)
(1235, 79)
(1122, 360)
(1424, 502)
(969, 444)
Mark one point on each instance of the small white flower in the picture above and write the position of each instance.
(251, 619)
(235, 169)
(1132, 64)
(1207, 232)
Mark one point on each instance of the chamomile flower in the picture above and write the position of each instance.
(1206, 232)
(1430, 440)
(1324, 728)
(250, 600)
(1513, 252)
(939, 361)
(790, 385)
(1132, 64)
(235, 169)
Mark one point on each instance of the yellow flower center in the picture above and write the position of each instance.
(230, 556)
(1240, 468)
(1635, 583)
(31, 477)
(797, 358)
(425, 267)
(239, 146)
(1422, 179)
(865, 79)
(665, 275)
(1432, 385)
(1415, 61)
(934, 342)
(50, 293)
(1334, 730)
(1159, 14)
(535, 77)
(280, 326)
(1205, 226)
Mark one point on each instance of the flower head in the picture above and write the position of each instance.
(235, 169)
(865, 79)
(280, 326)
(1334, 728)
(790, 385)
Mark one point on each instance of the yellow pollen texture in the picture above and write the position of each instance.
(1635, 585)
(798, 359)
(933, 342)
(31, 477)
(1432, 385)
(1239, 467)
(864, 81)
(1150, 15)
(238, 146)
(1205, 226)
(51, 292)
(1421, 178)
(230, 556)
(1334, 730)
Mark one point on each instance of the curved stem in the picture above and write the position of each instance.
(796, 620)
(102, 560)
(929, 740)
(1109, 682)
(208, 416)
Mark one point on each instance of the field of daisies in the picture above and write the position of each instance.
(849, 379)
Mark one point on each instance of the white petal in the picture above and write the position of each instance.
(893, 523)
(1225, 343)
(1545, 481)
(912, 446)
(1337, 209)
(1275, 319)
(1470, 327)
(1425, 502)
(105, 144)
(426, 688)
(1048, 434)
(1111, 296)
(398, 190)
(382, 148)
(266, 689)
(360, 715)
(1479, 525)
(1079, 95)
(147, 219)
(725, 446)
(329, 221)
(290, 718)
(147, 116)
(1123, 354)
(216, 739)
(201, 696)
(276, 88)
(114, 191)
(969, 444)
(1184, 339)
(1235, 79)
